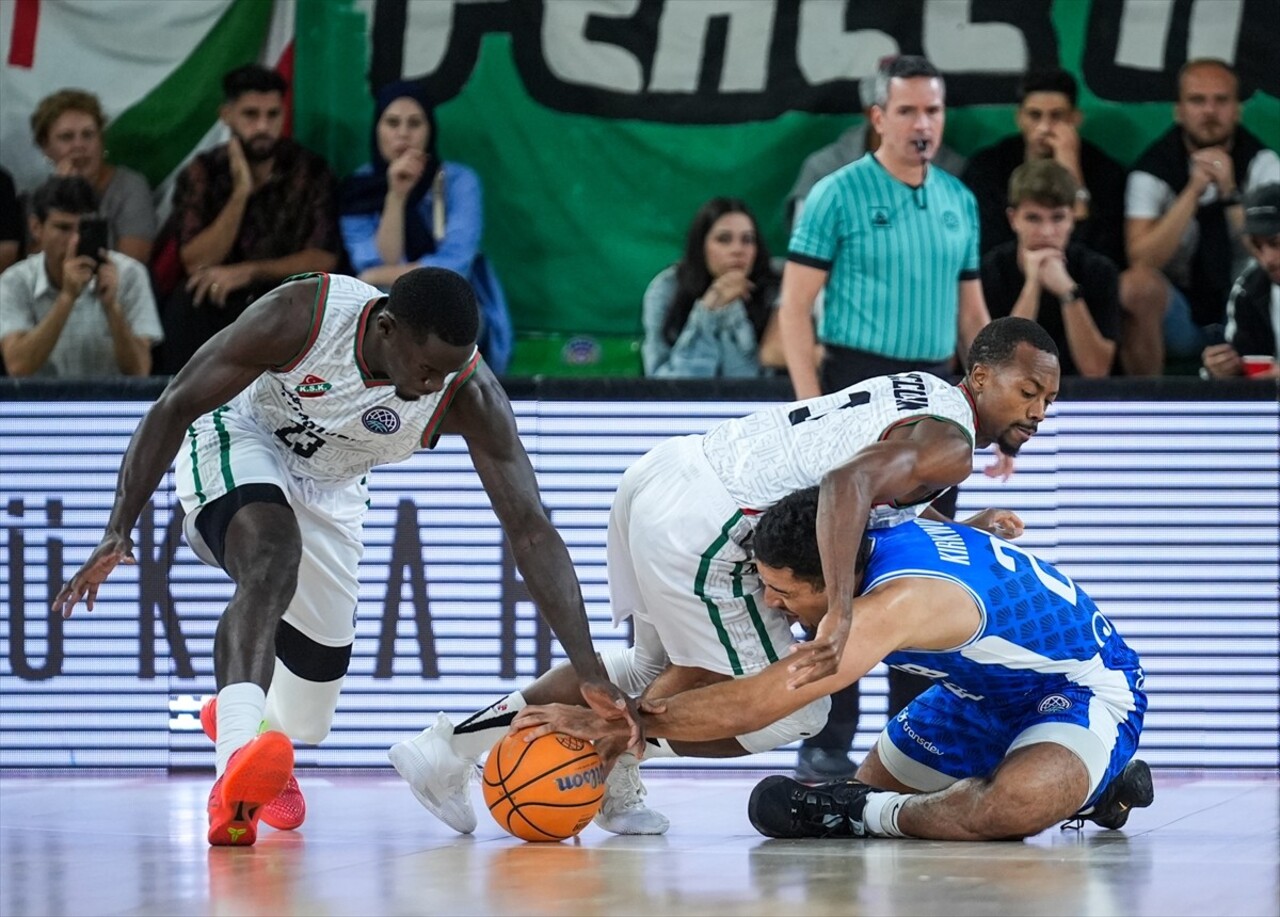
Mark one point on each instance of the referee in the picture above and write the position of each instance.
(893, 245)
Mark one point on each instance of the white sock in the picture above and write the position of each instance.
(478, 733)
(240, 709)
(880, 815)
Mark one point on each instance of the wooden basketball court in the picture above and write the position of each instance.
(124, 843)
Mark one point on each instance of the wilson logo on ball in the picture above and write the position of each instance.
(592, 778)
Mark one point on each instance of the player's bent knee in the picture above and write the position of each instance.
(302, 710)
(627, 671)
(805, 722)
(310, 727)
(305, 686)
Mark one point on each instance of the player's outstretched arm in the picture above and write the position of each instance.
(483, 417)
(741, 705)
(269, 334)
(930, 455)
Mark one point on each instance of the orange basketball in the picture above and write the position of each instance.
(544, 790)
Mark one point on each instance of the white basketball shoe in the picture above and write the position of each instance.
(439, 777)
(623, 810)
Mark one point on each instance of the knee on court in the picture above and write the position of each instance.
(803, 723)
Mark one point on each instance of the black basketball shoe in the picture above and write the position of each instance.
(1131, 790)
(782, 807)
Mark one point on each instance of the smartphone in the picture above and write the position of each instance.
(93, 236)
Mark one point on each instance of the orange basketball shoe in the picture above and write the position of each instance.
(288, 810)
(255, 775)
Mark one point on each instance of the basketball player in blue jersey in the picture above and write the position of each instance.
(276, 422)
(1033, 719)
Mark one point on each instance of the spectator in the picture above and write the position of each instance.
(893, 245)
(10, 222)
(712, 312)
(1046, 276)
(69, 315)
(246, 215)
(68, 127)
(1253, 311)
(852, 145)
(1183, 215)
(407, 208)
(1049, 128)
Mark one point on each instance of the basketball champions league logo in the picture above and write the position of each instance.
(381, 420)
(1054, 703)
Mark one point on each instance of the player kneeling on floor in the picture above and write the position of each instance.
(1033, 719)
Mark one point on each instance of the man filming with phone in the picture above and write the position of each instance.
(76, 309)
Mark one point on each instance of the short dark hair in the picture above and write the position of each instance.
(903, 67)
(786, 537)
(434, 300)
(996, 344)
(1042, 181)
(252, 78)
(1196, 63)
(1049, 80)
(65, 193)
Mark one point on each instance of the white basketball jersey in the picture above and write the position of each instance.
(330, 418)
(764, 456)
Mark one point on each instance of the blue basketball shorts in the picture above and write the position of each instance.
(941, 738)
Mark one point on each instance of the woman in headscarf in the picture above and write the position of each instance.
(407, 208)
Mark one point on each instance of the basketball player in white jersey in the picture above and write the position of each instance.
(275, 423)
(680, 559)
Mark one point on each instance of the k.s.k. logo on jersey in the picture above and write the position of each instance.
(381, 420)
(312, 387)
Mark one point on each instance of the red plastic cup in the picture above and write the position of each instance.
(1257, 364)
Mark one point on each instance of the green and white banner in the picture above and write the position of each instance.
(599, 126)
(156, 67)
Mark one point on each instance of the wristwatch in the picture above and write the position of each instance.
(1072, 295)
(1083, 196)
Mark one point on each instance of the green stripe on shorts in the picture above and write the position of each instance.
(224, 449)
(700, 587)
(195, 464)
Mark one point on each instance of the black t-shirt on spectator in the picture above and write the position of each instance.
(987, 176)
(1249, 310)
(1099, 282)
(11, 229)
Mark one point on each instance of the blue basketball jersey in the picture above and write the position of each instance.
(1039, 634)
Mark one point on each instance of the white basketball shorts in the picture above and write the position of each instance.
(224, 450)
(677, 563)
